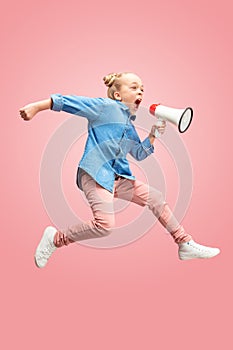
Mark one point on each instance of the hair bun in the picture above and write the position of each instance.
(109, 79)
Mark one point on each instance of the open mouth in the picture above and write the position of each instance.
(137, 102)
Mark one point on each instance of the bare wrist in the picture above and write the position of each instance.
(43, 105)
(152, 139)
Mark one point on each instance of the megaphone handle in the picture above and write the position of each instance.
(157, 134)
(158, 123)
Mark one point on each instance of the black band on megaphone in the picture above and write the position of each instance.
(180, 121)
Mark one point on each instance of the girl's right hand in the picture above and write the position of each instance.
(29, 111)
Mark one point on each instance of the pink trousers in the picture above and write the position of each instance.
(101, 203)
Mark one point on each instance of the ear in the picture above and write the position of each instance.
(117, 95)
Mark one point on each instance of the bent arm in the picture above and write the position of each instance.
(142, 150)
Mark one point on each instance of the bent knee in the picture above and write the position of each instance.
(105, 227)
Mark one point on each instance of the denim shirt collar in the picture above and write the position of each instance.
(125, 108)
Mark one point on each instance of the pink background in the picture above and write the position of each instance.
(138, 296)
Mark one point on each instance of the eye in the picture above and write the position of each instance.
(133, 87)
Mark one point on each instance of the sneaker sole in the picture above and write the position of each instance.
(40, 267)
(184, 257)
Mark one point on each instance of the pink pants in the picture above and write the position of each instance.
(101, 203)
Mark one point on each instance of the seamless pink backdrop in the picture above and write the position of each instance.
(141, 295)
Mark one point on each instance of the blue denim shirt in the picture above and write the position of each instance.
(111, 136)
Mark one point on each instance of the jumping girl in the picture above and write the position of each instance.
(104, 172)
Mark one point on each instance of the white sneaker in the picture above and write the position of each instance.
(192, 250)
(46, 247)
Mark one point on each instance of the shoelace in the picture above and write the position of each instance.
(199, 247)
(46, 251)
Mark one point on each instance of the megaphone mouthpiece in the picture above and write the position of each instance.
(153, 108)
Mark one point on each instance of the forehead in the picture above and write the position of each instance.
(130, 78)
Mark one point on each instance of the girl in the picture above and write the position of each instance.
(104, 172)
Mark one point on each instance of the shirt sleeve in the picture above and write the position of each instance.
(87, 107)
(142, 150)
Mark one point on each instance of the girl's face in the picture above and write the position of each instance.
(131, 91)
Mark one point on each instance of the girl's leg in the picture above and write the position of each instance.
(142, 194)
(168, 220)
(101, 203)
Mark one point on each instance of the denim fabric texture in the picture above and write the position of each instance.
(111, 136)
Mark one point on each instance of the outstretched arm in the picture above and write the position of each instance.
(87, 107)
(29, 111)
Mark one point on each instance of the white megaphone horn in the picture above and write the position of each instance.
(180, 117)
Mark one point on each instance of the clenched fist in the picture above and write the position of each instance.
(29, 111)
(158, 129)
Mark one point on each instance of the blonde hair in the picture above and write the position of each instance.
(113, 82)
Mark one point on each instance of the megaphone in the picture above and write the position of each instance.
(182, 118)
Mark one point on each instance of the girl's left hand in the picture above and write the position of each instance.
(159, 126)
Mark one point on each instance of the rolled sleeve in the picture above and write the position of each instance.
(147, 146)
(57, 102)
